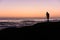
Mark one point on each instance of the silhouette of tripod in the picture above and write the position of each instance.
(47, 16)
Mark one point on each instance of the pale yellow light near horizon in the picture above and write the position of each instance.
(28, 12)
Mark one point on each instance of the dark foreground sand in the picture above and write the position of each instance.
(45, 30)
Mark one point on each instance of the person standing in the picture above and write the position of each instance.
(47, 16)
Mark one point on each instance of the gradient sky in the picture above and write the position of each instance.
(29, 8)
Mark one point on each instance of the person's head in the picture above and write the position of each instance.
(47, 12)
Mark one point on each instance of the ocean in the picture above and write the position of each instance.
(21, 22)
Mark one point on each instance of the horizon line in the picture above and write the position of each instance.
(28, 17)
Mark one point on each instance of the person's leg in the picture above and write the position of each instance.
(48, 19)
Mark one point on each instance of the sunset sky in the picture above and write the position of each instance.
(29, 8)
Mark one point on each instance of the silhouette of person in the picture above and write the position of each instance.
(47, 15)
